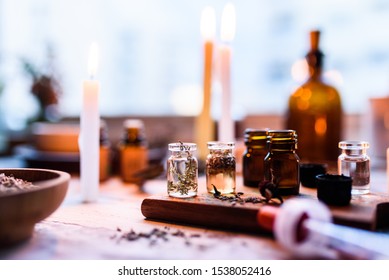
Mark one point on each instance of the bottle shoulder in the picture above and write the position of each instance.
(284, 154)
(317, 86)
(315, 93)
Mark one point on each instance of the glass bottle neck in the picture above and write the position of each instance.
(315, 62)
(284, 147)
(315, 73)
(220, 151)
(354, 152)
(256, 146)
(182, 154)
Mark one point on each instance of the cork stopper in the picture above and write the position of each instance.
(315, 36)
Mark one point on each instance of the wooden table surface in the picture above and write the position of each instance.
(114, 228)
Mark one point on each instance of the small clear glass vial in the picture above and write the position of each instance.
(182, 170)
(282, 164)
(254, 155)
(355, 163)
(220, 167)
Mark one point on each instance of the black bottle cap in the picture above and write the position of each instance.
(309, 171)
(334, 189)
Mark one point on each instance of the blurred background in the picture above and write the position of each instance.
(152, 58)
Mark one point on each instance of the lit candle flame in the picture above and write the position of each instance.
(208, 23)
(93, 60)
(228, 23)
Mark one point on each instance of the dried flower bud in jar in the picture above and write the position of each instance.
(221, 167)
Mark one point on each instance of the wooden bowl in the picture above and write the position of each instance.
(21, 210)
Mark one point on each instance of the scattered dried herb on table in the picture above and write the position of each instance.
(157, 234)
(238, 198)
(269, 190)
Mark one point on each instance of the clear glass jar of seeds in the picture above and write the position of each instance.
(221, 167)
(182, 170)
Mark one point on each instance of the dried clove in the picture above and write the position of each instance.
(269, 190)
(237, 198)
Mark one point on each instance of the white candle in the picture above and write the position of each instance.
(226, 129)
(90, 132)
(204, 124)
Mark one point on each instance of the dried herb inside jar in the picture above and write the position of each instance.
(221, 162)
(220, 167)
(182, 170)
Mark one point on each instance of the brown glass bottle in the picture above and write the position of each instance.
(105, 152)
(133, 151)
(256, 150)
(315, 112)
(282, 164)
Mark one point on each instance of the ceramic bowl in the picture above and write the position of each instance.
(56, 137)
(22, 209)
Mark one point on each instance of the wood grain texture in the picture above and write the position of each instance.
(21, 210)
(369, 212)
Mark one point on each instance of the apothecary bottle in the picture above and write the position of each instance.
(254, 155)
(105, 152)
(133, 151)
(220, 167)
(182, 170)
(355, 163)
(281, 164)
(315, 112)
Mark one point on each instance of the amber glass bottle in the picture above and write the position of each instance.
(105, 152)
(281, 164)
(256, 150)
(133, 151)
(315, 112)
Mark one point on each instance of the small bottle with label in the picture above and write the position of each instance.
(281, 163)
(133, 151)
